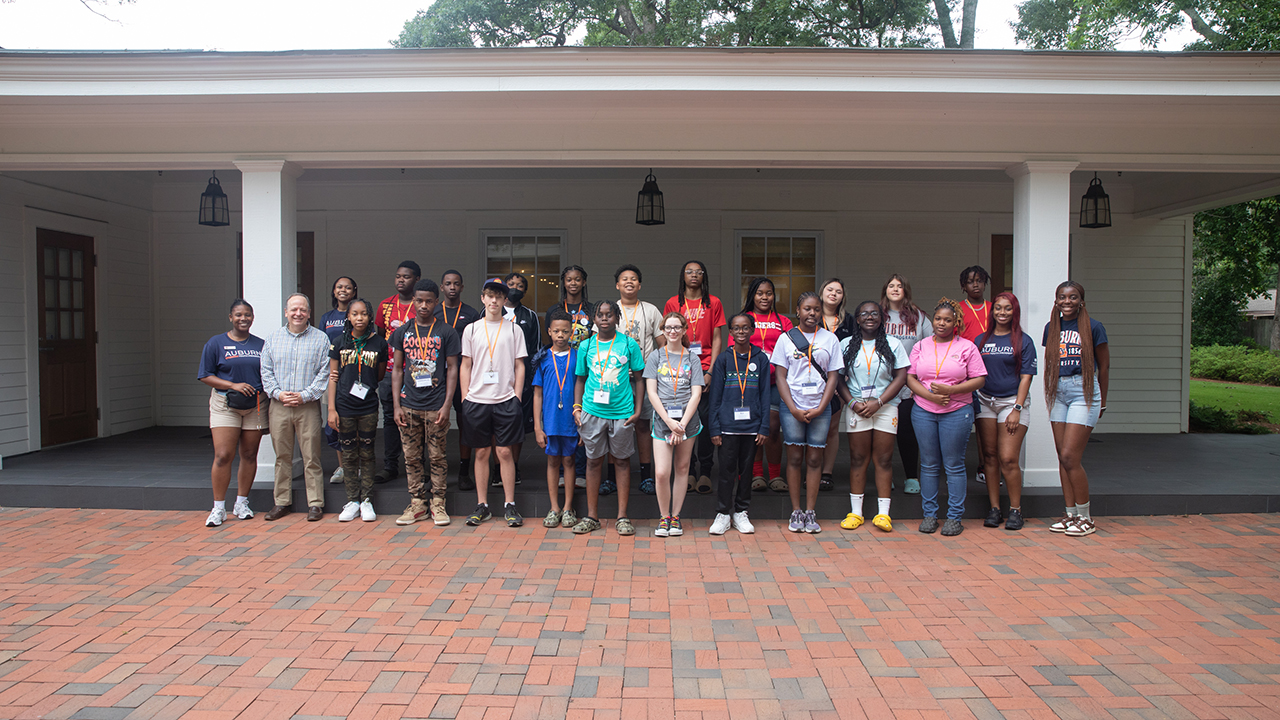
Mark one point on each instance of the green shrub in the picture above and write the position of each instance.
(1235, 363)
(1205, 419)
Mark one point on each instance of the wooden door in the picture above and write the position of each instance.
(68, 338)
(1001, 264)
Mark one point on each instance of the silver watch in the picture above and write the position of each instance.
(1017, 407)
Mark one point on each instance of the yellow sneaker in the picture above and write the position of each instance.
(883, 522)
(851, 522)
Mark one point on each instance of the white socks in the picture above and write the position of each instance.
(1083, 511)
(856, 502)
(1071, 512)
(883, 504)
(242, 499)
(220, 505)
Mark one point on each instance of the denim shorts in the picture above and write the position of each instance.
(813, 433)
(1069, 406)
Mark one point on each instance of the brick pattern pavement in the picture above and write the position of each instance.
(107, 615)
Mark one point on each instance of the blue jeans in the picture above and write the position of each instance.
(943, 438)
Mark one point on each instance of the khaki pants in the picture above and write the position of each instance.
(303, 423)
(422, 429)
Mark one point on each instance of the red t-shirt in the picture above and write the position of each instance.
(768, 329)
(705, 319)
(977, 318)
(392, 314)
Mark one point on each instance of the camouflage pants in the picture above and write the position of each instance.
(355, 442)
(422, 428)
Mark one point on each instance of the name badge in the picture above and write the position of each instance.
(810, 388)
(601, 397)
(489, 377)
(695, 348)
(675, 413)
(360, 390)
(867, 391)
(422, 381)
(741, 413)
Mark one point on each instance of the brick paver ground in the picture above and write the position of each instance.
(112, 614)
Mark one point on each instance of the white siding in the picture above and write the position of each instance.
(115, 212)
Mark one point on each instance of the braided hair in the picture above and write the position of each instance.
(882, 340)
(1053, 347)
(564, 295)
(706, 281)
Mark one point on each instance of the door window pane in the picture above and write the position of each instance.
(50, 324)
(536, 257)
(77, 263)
(789, 260)
(64, 262)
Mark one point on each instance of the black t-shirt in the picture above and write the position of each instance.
(363, 366)
(458, 318)
(846, 329)
(426, 349)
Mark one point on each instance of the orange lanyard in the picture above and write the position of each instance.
(693, 322)
(494, 341)
(560, 380)
(867, 355)
(982, 321)
(937, 364)
(756, 317)
(456, 315)
(675, 371)
(742, 378)
(809, 350)
(602, 366)
(830, 328)
(626, 322)
(417, 332)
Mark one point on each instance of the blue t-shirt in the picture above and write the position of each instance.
(1069, 345)
(237, 362)
(331, 323)
(557, 401)
(1002, 377)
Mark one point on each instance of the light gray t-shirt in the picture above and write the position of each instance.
(895, 328)
(675, 374)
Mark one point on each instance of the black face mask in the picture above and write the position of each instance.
(515, 295)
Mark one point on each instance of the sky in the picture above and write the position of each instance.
(234, 25)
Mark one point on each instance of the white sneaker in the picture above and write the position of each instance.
(982, 477)
(336, 477)
(349, 512)
(580, 482)
(216, 516)
(561, 481)
(366, 512)
(1062, 525)
(742, 524)
(242, 510)
(720, 524)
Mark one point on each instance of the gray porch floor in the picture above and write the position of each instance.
(168, 468)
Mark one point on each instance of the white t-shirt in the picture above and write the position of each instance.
(505, 341)
(808, 382)
(641, 323)
(875, 374)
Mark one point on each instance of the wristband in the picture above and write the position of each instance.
(577, 406)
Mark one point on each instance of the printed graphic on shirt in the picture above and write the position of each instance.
(1069, 349)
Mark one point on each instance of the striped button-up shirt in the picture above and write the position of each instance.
(296, 362)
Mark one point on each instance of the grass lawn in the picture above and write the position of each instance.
(1232, 397)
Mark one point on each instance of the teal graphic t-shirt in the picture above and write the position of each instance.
(607, 365)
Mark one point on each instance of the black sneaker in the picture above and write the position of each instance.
(824, 483)
(952, 527)
(480, 514)
(513, 516)
(518, 479)
(1015, 520)
(495, 478)
(385, 475)
(929, 525)
(994, 518)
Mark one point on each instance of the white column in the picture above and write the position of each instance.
(1042, 212)
(270, 203)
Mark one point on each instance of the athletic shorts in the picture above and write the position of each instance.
(607, 437)
(998, 409)
(561, 445)
(501, 424)
(221, 415)
(885, 420)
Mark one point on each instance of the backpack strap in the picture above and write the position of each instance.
(802, 343)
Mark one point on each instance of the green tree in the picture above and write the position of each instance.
(1237, 258)
(687, 23)
(1099, 24)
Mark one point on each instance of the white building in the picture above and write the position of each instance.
(849, 163)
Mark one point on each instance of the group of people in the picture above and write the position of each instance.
(618, 378)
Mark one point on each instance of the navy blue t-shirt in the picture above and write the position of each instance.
(331, 323)
(555, 377)
(237, 362)
(1069, 345)
(1002, 377)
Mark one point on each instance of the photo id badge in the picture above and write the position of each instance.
(809, 388)
(867, 391)
(741, 413)
(490, 377)
(422, 381)
(601, 397)
(695, 348)
(360, 390)
(675, 413)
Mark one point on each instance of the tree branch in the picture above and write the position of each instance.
(91, 9)
(1199, 25)
(944, 24)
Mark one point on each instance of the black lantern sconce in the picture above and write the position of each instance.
(214, 210)
(649, 207)
(1095, 206)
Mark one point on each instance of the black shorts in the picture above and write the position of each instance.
(484, 425)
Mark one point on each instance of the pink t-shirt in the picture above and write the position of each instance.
(952, 363)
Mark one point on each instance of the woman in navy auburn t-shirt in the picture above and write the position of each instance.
(1003, 406)
(333, 322)
(1077, 362)
(231, 362)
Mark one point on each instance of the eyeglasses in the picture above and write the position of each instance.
(868, 314)
(694, 273)
(673, 328)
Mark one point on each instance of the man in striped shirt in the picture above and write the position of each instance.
(295, 373)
